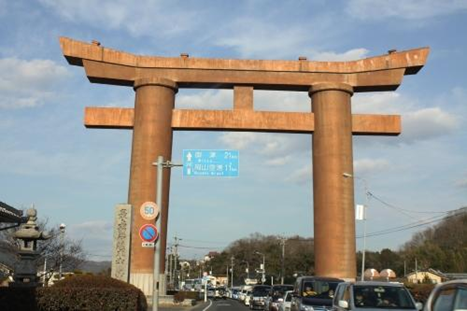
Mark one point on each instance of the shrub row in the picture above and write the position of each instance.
(76, 293)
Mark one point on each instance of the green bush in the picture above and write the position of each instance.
(78, 293)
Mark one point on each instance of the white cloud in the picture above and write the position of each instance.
(94, 228)
(147, 17)
(428, 123)
(417, 123)
(210, 99)
(256, 38)
(410, 10)
(278, 161)
(278, 149)
(462, 183)
(28, 83)
(238, 140)
(301, 175)
(364, 167)
(354, 54)
(282, 101)
(96, 236)
(74, 165)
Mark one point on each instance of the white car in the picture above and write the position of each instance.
(247, 298)
(284, 303)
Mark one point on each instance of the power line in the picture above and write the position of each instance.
(412, 225)
(407, 210)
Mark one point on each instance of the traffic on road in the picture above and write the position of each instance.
(310, 293)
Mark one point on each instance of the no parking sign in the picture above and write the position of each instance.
(148, 233)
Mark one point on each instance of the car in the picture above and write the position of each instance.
(211, 293)
(373, 296)
(284, 303)
(258, 295)
(448, 296)
(247, 298)
(277, 292)
(312, 293)
(234, 293)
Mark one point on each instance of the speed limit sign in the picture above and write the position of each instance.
(149, 210)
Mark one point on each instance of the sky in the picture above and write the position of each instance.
(76, 176)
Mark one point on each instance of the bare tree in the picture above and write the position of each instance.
(54, 252)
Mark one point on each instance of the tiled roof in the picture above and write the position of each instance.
(9, 213)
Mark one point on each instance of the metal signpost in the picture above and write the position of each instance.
(160, 166)
(210, 162)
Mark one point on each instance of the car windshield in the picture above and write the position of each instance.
(261, 291)
(319, 289)
(382, 297)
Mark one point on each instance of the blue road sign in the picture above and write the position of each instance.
(210, 162)
(148, 233)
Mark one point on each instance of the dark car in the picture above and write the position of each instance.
(276, 293)
(258, 295)
(313, 293)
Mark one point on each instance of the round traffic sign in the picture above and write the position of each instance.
(148, 233)
(149, 210)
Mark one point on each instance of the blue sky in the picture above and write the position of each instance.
(76, 176)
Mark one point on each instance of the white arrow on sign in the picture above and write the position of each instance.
(189, 156)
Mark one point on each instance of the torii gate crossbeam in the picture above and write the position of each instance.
(330, 86)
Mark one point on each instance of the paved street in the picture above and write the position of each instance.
(220, 305)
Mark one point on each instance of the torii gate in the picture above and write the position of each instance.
(330, 86)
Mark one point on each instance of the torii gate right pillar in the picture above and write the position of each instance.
(334, 216)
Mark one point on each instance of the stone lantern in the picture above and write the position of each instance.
(28, 234)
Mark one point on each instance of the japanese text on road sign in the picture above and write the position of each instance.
(210, 162)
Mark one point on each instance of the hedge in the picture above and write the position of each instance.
(78, 293)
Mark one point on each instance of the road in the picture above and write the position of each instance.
(221, 305)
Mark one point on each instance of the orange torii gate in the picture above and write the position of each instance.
(330, 86)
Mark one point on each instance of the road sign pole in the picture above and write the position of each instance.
(157, 254)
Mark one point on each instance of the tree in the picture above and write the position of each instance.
(53, 252)
(442, 246)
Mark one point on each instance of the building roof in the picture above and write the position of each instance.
(9, 213)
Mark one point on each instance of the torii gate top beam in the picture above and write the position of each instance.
(108, 66)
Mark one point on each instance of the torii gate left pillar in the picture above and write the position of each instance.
(152, 137)
(330, 85)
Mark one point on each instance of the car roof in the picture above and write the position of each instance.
(319, 278)
(375, 283)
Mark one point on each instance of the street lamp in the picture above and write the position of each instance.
(367, 200)
(62, 245)
(263, 267)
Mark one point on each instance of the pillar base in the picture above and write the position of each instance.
(144, 282)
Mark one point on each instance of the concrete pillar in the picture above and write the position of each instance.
(333, 195)
(152, 137)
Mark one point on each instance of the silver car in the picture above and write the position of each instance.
(284, 303)
(373, 296)
(448, 296)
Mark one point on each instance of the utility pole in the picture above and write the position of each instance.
(367, 199)
(62, 246)
(232, 274)
(283, 240)
(175, 259)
